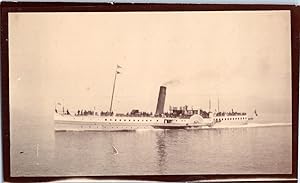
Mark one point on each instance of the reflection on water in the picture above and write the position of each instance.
(161, 151)
(246, 150)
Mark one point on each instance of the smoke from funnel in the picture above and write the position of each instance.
(172, 82)
(161, 100)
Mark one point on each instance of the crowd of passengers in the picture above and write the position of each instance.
(232, 113)
(133, 113)
(92, 113)
(136, 113)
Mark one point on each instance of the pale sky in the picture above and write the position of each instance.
(242, 57)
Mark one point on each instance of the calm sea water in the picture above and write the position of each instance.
(210, 151)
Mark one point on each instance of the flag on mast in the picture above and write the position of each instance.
(255, 112)
(118, 67)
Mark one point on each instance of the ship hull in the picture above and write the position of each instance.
(231, 123)
(113, 123)
(69, 123)
(237, 120)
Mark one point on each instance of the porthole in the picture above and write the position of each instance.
(105, 119)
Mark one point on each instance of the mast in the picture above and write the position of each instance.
(113, 91)
(218, 105)
(209, 105)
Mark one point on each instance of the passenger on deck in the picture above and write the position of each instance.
(68, 113)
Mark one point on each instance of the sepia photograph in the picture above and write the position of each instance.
(150, 93)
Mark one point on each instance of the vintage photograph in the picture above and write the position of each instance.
(150, 93)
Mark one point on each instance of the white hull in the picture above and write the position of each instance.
(113, 123)
(230, 120)
(231, 123)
